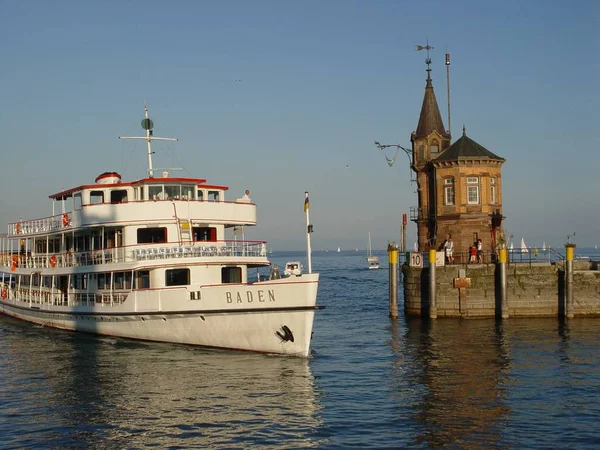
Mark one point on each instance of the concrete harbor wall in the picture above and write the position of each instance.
(473, 290)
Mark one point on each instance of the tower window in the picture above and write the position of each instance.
(473, 190)
(449, 191)
(493, 192)
(434, 147)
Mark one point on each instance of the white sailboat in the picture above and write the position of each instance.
(544, 246)
(524, 248)
(339, 249)
(372, 259)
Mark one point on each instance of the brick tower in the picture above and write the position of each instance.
(459, 186)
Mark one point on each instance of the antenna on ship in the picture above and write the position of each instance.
(148, 125)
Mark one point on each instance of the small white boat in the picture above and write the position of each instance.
(372, 259)
(524, 248)
(293, 268)
(544, 246)
(339, 250)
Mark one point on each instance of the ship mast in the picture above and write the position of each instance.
(148, 125)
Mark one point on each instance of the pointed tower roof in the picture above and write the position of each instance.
(430, 119)
(467, 148)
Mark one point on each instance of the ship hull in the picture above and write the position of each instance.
(267, 317)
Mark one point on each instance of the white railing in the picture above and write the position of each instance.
(46, 296)
(36, 226)
(144, 252)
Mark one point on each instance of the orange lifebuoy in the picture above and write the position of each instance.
(4, 294)
(18, 228)
(53, 261)
(65, 219)
(15, 260)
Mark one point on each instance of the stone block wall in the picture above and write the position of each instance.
(532, 290)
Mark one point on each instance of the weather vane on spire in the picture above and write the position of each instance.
(426, 47)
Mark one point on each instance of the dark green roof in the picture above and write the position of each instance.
(466, 148)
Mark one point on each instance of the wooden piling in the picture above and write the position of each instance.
(502, 274)
(432, 286)
(393, 268)
(569, 307)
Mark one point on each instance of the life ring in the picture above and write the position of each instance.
(53, 261)
(65, 220)
(18, 227)
(15, 260)
(4, 294)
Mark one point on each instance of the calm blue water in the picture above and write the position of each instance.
(370, 383)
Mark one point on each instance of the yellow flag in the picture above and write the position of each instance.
(306, 203)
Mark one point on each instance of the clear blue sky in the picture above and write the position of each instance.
(320, 81)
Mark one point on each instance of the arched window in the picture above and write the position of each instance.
(435, 148)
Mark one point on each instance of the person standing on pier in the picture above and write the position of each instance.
(479, 251)
(449, 249)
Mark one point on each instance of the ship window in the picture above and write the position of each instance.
(151, 235)
(156, 193)
(142, 279)
(200, 195)
(103, 281)
(77, 201)
(118, 280)
(96, 197)
(119, 196)
(205, 234)
(177, 277)
(172, 192)
(187, 192)
(449, 191)
(213, 196)
(231, 275)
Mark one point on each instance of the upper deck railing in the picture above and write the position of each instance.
(140, 252)
(37, 226)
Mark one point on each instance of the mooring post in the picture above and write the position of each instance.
(570, 250)
(502, 273)
(393, 268)
(432, 305)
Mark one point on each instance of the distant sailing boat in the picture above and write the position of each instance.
(371, 259)
(339, 250)
(511, 246)
(524, 248)
(544, 246)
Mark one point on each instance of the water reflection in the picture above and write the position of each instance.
(459, 369)
(108, 393)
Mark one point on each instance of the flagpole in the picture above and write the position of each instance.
(308, 231)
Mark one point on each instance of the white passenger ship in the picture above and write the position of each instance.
(150, 259)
